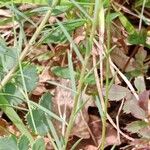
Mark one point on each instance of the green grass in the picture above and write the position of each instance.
(97, 20)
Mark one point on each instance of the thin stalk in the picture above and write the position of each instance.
(29, 45)
(76, 99)
(141, 16)
(104, 119)
(82, 75)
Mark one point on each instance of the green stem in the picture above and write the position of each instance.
(30, 44)
(10, 112)
(13, 116)
(104, 119)
(82, 75)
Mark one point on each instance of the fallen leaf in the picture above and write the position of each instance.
(90, 147)
(120, 59)
(143, 100)
(116, 92)
(63, 104)
(131, 106)
(95, 125)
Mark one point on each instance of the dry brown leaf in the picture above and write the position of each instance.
(141, 144)
(120, 59)
(96, 128)
(90, 147)
(132, 106)
(143, 100)
(3, 127)
(63, 104)
(5, 13)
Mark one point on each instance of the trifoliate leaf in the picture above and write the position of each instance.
(39, 145)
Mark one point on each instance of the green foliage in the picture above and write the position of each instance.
(13, 91)
(40, 2)
(30, 77)
(138, 38)
(39, 120)
(8, 57)
(8, 143)
(140, 84)
(39, 116)
(12, 143)
(139, 3)
(15, 96)
(62, 72)
(126, 23)
(139, 127)
(13, 116)
(39, 144)
(135, 126)
(90, 79)
(53, 35)
(23, 143)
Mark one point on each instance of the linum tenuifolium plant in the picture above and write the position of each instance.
(77, 47)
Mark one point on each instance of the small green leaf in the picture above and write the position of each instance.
(62, 72)
(8, 143)
(30, 77)
(140, 84)
(53, 35)
(112, 16)
(39, 144)
(13, 116)
(128, 26)
(23, 143)
(138, 38)
(136, 126)
(8, 56)
(139, 3)
(90, 79)
(40, 2)
(46, 100)
(39, 120)
(15, 97)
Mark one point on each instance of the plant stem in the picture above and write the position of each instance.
(104, 119)
(30, 44)
(10, 112)
(82, 75)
